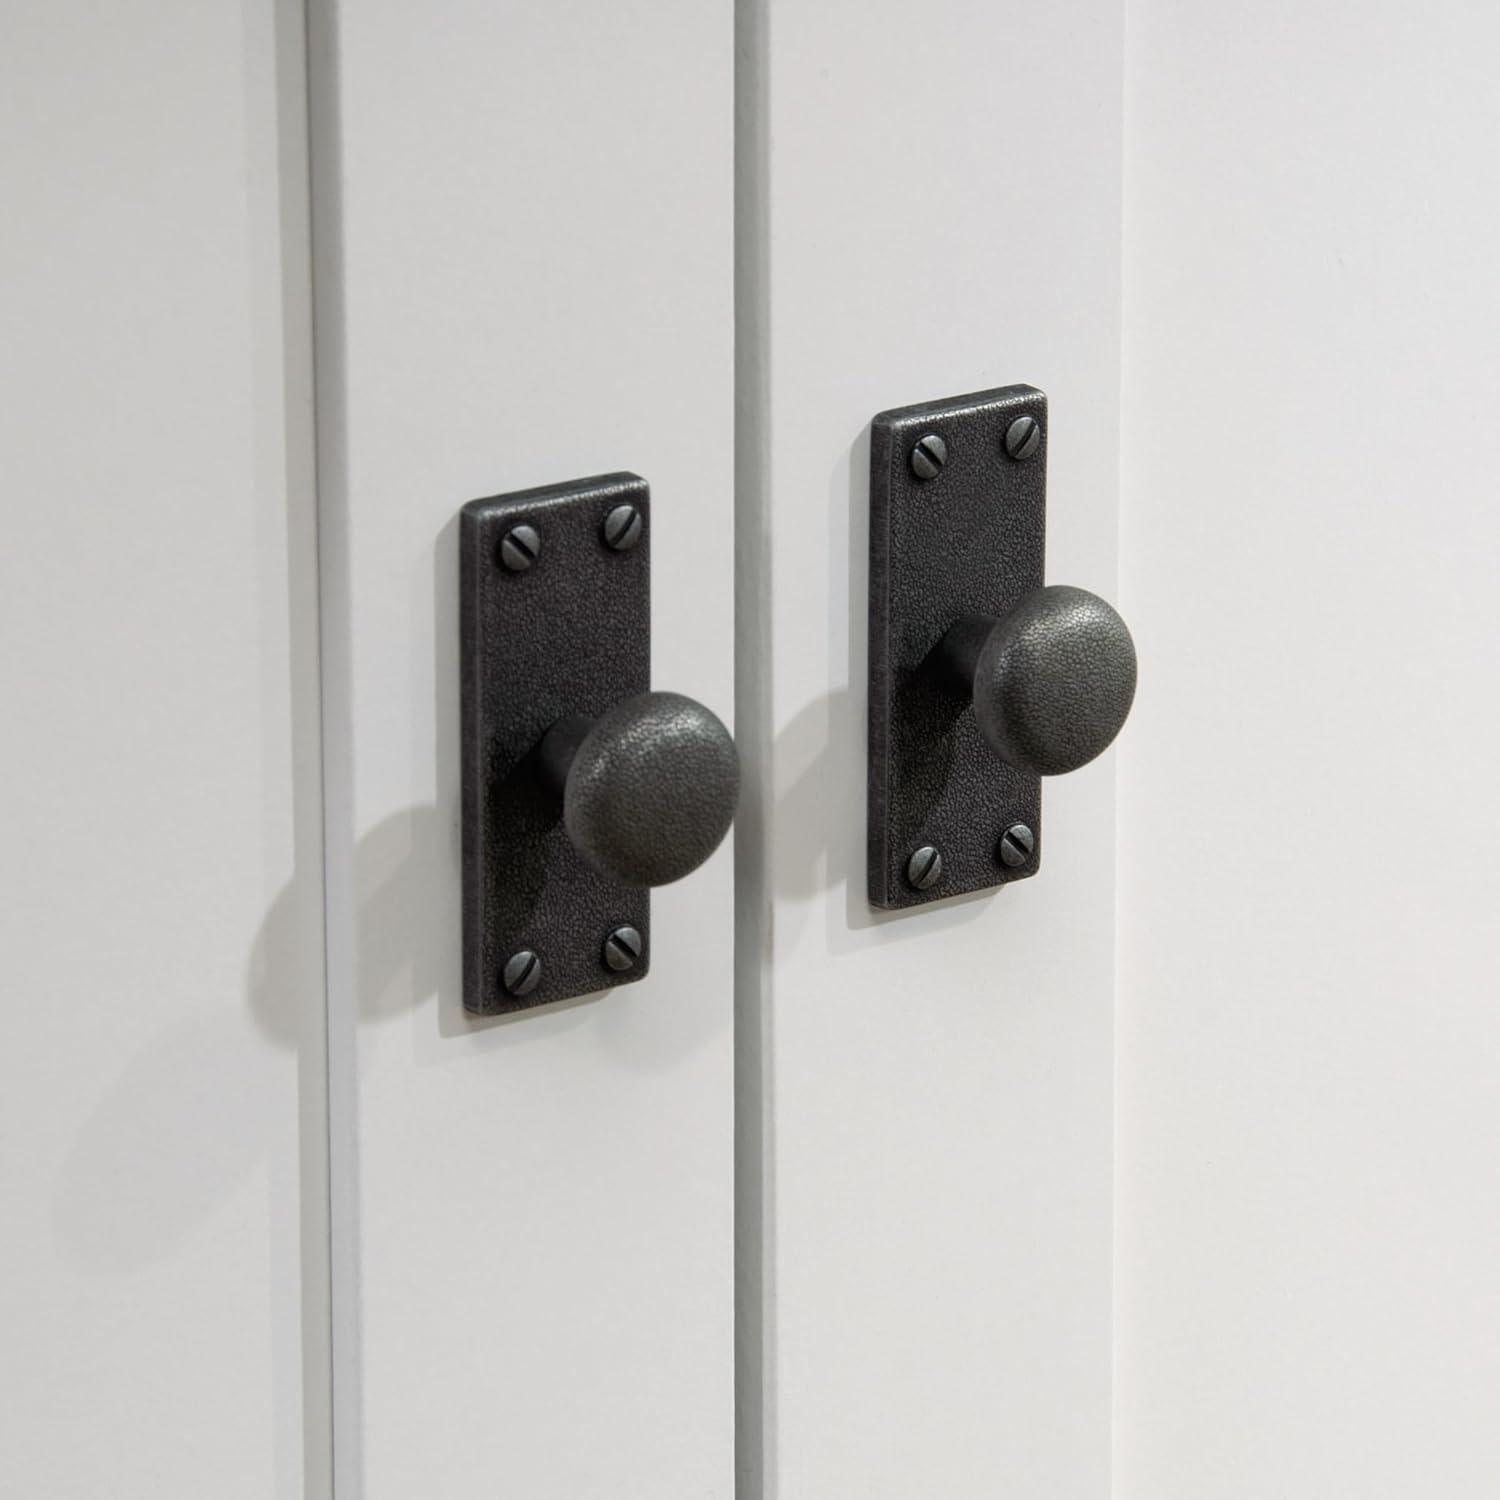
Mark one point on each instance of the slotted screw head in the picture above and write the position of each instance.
(1016, 845)
(1023, 437)
(522, 973)
(622, 528)
(925, 868)
(929, 456)
(622, 949)
(520, 547)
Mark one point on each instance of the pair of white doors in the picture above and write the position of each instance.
(1170, 1173)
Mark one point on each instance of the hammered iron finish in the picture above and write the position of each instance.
(971, 545)
(569, 635)
(652, 789)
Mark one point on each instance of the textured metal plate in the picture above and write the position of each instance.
(969, 541)
(569, 635)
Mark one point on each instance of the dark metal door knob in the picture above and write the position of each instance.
(649, 788)
(1052, 681)
(958, 529)
(581, 787)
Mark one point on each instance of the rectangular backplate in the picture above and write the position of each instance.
(968, 541)
(570, 634)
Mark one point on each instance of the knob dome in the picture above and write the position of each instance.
(652, 789)
(1054, 681)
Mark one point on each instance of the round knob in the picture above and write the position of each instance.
(649, 788)
(1052, 681)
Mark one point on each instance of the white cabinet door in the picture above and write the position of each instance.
(524, 274)
(163, 1256)
(1309, 1125)
(838, 1202)
(930, 205)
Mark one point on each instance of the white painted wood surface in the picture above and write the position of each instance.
(932, 200)
(163, 1300)
(524, 273)
(1309, 1118)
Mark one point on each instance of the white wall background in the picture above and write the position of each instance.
(1307, 1283)
(1308, 1170)
(163, 1249)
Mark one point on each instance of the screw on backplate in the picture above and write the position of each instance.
(520, 547)
(1023, 437)
(1016, 845)
(622, 528)
(929, 456)
(622, 949)
(925, 868)
(522, 973)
